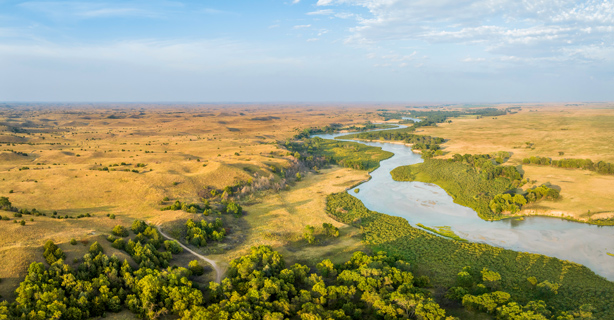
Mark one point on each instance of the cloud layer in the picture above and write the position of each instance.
(555, 30)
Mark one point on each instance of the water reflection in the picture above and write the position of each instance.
(430, 205)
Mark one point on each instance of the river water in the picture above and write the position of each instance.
(430, 205)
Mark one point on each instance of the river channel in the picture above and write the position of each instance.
(430, 205)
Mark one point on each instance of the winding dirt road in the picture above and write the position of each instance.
(218, 270)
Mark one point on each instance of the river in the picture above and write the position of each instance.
(430, 205)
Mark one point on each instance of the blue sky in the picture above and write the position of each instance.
(315, 51)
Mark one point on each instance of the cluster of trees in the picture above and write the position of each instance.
(192, 207)
(318, 152)
(337, 127)
(211, 192)
(475, 159)
(145, 245)
(100, 284)
(6, 205)
(308, 132)
(541, 192)
(600, 167)
(571, 291)
(260, 286)
(488, 165)
(198, 233)
(480, 292)
(52, 253)
(470, 186)
(224, 206)
(420, 142)
(328, 231)
(509, 202)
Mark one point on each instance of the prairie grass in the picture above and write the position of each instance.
(75, 155)
(577, 132)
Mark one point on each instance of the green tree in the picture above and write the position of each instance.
(196, 268)
(138, 226)
(308, 234)
(172, 246)
(120, 231)
(95, 249)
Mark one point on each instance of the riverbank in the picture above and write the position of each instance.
(431, 205)
(441, 259)
(559, 215)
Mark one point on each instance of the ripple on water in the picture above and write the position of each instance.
(432, 206)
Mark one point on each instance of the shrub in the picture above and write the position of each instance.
(95, 249)
(172, 246)
(196, 268)
(120, 231)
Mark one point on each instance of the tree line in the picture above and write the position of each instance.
(258, 285)
(600, 167)
(504, 283)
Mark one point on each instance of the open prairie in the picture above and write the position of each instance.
(77, 160)
(554, 131)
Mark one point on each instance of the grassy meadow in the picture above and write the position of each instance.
(76, 159)
(577, 131)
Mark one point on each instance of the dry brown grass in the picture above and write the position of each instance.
(279, 220)
(579, 132)
(182, 139)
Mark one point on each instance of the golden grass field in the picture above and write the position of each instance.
(184, 148)
(578, 131)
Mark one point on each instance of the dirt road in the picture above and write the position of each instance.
(218, 270)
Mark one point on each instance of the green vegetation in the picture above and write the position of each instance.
(196, 268)
(330, 230)
(309, 234)
(461, 180)
(317, 152)
(578, 289)
(198, 233)
(600, 167)
(173, 246)
(120, 231)
(478, 182)
(336, 127)
(420, 142)
(442, 231)
(514, 202)
(260, 286)
(53, 253)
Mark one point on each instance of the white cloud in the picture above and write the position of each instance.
(474, 60)
(312, 39)
(559, 29)
(302, 26)
(323, 12)
(344, 15)
(192, 56)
